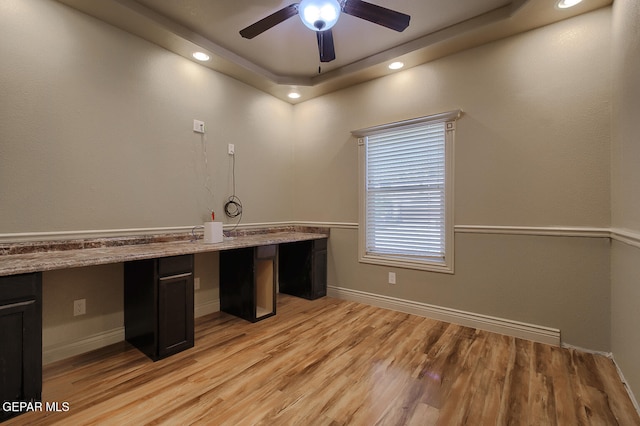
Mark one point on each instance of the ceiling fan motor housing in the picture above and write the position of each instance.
(319, 15)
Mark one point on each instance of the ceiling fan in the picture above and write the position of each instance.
(321, 15)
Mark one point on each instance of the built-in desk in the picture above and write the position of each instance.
(20, 258)
(22, 264)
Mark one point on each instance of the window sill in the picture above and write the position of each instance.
(407, 264)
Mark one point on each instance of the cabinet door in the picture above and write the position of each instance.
(20, 339)
(17, 325)
(175, 314)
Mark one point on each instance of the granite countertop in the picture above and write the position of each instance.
(22, 258)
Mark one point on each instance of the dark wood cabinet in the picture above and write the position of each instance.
(302, 269)
(247, 282)
(20, 339)
(158, 305)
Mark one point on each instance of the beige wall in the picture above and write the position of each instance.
(625, 161)
(96, 130)
(101, 287)
(532, 149)
(529, 148)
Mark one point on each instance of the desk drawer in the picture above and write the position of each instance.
(266, 252)
(175, 265)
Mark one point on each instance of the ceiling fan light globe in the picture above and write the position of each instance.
(319, 15)
(565, 4)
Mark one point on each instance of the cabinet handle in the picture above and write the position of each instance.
(171, 277)
(17, 304)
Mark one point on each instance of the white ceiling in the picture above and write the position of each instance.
(286, 56)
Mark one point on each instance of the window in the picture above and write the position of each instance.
(406, 193)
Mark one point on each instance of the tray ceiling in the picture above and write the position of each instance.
(285, 57)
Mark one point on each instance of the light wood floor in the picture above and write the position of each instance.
(332, 362)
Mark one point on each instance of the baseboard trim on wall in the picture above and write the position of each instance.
(590, 351)
(207, 308)
(518, 329)
(64, 350)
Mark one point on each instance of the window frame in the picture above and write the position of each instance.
(400, 261)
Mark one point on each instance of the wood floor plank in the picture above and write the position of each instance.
(488, 395)
(444, 360)
(470, 386)
(514, 409)
(564, 391)
(331, 362)
(541, 390)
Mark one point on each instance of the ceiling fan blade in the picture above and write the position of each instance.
(325, 46)
(377, 14)
(270, 21)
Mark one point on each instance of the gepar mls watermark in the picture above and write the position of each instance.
(26, 406)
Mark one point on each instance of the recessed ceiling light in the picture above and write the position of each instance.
(294, 95)
(565, 4)
(396, 65)
(201, 56)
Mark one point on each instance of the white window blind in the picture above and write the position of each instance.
(405, 192)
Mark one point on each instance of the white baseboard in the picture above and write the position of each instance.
(589, 351)
(521, 330)
(59, 351)
(207, 308)
(64, 350)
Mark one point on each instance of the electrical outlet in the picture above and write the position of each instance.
(392, 277)
(231, 149)
(79, 307)
(198, 126)
(196, 283)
